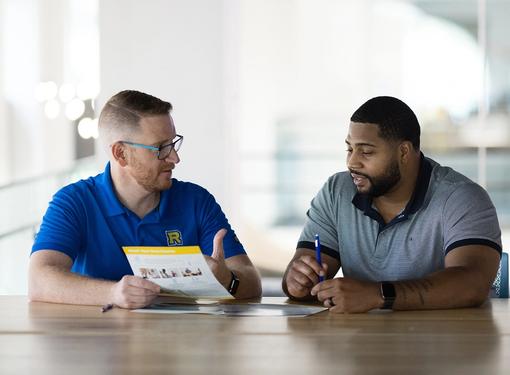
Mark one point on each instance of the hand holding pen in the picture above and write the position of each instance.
(304, 272)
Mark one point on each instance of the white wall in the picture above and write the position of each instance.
(31, 50)
(19, 70)
(174, 50)
(4, 165)
(32, 39)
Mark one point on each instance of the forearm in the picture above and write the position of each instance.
(452, 287)
(52, 284)
(249, 282)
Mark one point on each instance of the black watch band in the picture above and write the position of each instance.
(234, 284)
(388, 294)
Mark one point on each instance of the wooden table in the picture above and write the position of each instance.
(41, 338)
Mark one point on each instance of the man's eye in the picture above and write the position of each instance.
(367, 152)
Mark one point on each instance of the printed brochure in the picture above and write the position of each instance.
(179, 271)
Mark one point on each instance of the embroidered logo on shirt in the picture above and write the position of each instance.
(173, 237)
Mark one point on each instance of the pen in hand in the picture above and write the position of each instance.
(318, 254)
(107, 307)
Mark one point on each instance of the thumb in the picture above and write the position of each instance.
(218, 252)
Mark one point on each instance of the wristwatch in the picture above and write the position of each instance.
(234, 284)
(388, 294)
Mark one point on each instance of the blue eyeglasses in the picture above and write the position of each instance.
(161, 152)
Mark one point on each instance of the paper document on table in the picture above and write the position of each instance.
(179, 271)
(235, 309)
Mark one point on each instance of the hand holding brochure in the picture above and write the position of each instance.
(179, 271)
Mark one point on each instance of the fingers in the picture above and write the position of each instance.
(218, 252)
(216, 261)
(324, 290)
(303, 275)
(308, 267)
(134, 292)
(329, 303)
(346, 295)
(327, 293)
(296, 289)
(141, 283)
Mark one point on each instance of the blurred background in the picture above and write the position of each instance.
(262, 92)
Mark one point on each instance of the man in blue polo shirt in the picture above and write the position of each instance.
(407, 232)
(77, 255)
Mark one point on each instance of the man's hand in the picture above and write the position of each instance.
(302, 274)
(346, 295)
(133, 292)
(216, 261)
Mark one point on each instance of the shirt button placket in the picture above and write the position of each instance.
(139, 234)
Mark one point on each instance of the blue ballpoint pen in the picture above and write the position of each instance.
(318, 254)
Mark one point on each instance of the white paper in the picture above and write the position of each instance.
(179, 270)
(235, 309)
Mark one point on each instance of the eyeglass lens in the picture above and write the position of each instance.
(166, 150)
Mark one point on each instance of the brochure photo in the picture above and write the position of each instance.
(179, 271)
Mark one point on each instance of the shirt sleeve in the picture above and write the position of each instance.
(321, 220)
(59, 229)
(212, 219)
(470, 219)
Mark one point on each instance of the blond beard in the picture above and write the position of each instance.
(147, 178)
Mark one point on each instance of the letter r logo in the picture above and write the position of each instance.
(173, 237)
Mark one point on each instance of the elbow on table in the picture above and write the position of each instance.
(38, 287)
(35, 288)
(34, 295)
(478, 296)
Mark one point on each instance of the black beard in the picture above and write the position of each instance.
(382, 184)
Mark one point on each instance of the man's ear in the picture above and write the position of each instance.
(405, 151)
(119, 153)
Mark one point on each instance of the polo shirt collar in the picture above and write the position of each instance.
(112, 206)
(158, 215)
(421, 187)
(110, 202)
(363, 202)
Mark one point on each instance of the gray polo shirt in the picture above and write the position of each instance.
(447, 210)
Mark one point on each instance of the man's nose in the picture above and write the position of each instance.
(173, 157)
(352, 161)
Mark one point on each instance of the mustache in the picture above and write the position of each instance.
(168, 167)
(359, 173)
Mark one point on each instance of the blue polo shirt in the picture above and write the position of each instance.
(86, 221)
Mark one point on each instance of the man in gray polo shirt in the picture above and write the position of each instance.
(407, 232)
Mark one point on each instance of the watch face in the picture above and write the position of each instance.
(234, 283)
(388, 294)
(388, 290)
